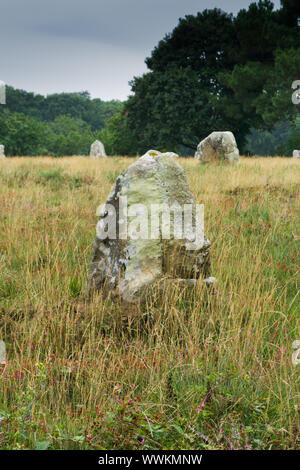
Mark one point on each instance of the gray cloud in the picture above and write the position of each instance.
(95, 45)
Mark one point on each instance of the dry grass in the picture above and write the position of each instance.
(204, 371)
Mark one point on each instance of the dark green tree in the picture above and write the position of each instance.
(270, 59)
(118, 139)
(177, 103)
(175, 110)
(289, 14)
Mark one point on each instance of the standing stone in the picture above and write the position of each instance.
(155, 153)
(130, 261)
(2, 353)
(218, 146)
(97, 149)
(172, 154)
(2, 154)
(296, 154)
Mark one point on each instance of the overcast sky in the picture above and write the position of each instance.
(50, 46)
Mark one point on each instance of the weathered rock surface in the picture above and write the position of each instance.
(296, 153)
(2, 154)
(218, 146)
(155, 153)
(97, 149)
(135, 260)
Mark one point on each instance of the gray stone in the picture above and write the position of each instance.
(218, 146)
(2, 353)
(296, 153)
(2, 154)
(129, 267)
(97, 149)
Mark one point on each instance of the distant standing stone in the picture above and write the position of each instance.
(296, 154)
(2, 155)
(218, 146)
(97, 149)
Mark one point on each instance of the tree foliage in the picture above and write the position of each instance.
(94, 112)
(59, 124)
(217, 72)
(21, 134)
(117, 137)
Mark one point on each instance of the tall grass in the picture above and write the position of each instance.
(185, 371)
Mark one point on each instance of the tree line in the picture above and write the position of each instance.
(58, 124)
(214, 71)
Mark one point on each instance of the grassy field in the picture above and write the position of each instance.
(209, 371)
